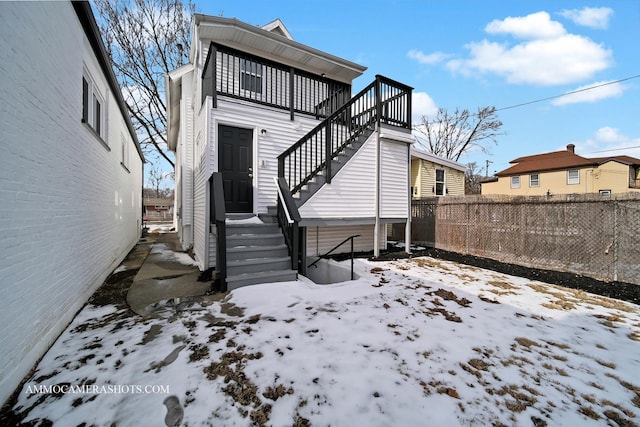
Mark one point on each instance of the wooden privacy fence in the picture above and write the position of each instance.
(583, 234)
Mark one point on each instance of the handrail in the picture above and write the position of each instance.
(336, 247)
(218, 214)
(290, 229)
(290, 207)
(382, 101)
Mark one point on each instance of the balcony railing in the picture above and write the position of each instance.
(232, 73)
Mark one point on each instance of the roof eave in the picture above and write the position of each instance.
(173, 87)
(436, 159)
(240, 35)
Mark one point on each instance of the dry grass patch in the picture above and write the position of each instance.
(618, 418)
(517, 361)
(559, 305)
(526, 342)
(521, 400)
(430, 263)
(606, 364)
(627, 412)
(559, 345)
(589, 412)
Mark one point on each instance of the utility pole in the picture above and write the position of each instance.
(486, 173)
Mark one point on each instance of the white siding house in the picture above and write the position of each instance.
(276, 121)
(70, 176)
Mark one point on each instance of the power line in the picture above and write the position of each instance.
(614, 149)
(568, 93)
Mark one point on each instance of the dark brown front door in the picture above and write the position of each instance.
(235, 162)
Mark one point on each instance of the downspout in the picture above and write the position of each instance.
(376, 235)
(376, 232)
(407, 229)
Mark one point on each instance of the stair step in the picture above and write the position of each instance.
(258, 265)
(269, 218)
(250, 252)
(242, 229)
(240, 280)
(238, 240)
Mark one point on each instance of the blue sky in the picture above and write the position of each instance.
(470, 54)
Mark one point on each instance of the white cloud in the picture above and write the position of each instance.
(548, 56)
(533, 26)
(593, 17)
(584, 94)
(426, 59)
(422, 105)
(608, 141)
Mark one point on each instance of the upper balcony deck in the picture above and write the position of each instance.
(232, 73)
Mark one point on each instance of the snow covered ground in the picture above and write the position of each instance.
(413, 342)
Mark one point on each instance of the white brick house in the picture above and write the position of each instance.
(70, 176)
(276, 122)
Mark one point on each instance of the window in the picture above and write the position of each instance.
(440, 189)
(92, 107)
(573, 176)
(515, 182)
(534, 180)
(250, 76)
(605, 193)
(85, 100)
(125, 153)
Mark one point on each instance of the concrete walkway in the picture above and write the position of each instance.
(164, 274)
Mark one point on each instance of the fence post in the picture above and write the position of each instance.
(615, 240)
(466, 205)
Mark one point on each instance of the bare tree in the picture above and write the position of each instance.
(449, 135)
(472, 179)
(145, 40)
(156, 179)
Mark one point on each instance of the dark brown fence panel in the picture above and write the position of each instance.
(583, 234)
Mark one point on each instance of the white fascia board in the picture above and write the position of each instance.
(438, 160)
(173, 89)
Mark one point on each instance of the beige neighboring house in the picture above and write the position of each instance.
(564, 172)
(435, 176)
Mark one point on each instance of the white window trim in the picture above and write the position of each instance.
(93, 95)
(574, 181)
(512, 183)
(537, 181)
(444, 182)
(124, 153)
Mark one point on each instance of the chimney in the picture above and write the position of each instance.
(571, 148)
